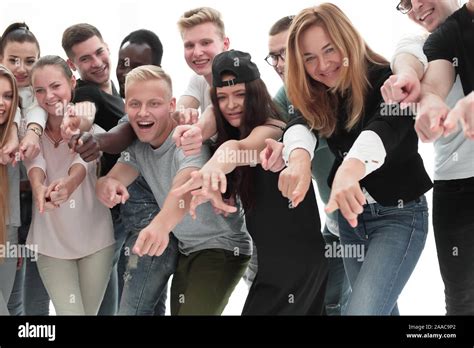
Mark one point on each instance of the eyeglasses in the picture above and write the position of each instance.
(272, 59)
(404, 6)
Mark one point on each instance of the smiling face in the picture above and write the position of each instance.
(53, 89)
(322, 61)
(432, 13)
(91, 58)
(6, 98)
(132, 55)
(231, 101)
(277, 45)
(149, 105)
(19, 58)
(201, 44)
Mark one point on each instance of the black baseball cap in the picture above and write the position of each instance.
(237, 63)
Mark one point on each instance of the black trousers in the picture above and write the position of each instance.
(453, 223)
(292, 269)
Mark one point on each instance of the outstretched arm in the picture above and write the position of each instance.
(435, 87)
(89, 145)
(404, 85)
(154, 238)
(189, 137)
(112, 188)
(228, 156)
(61, 189)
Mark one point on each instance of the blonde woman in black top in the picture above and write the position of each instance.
(378, 179)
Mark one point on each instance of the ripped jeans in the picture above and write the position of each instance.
(145, 278)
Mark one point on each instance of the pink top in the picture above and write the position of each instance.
(82, 225)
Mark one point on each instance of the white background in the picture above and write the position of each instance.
(247, 24)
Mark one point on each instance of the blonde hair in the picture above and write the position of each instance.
(4, 130)
(147, 73)
(201, 15)
(311, 97)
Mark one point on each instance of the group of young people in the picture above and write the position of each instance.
(218, 185)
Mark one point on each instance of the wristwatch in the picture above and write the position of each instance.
(38, 130)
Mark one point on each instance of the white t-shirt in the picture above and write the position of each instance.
(198, 88)
(82, 225)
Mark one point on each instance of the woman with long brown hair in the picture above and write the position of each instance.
(378, 179)
(292, 270)
(9, 188)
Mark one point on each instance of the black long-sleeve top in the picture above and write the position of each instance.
(402, 177)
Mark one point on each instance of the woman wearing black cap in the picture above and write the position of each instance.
(292, 270)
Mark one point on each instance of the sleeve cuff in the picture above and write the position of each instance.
(412, 45)
(298, 137)
(36, 114)
(369, 149)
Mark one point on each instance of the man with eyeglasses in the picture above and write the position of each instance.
(404, 6)
(409, 61)
(338, 288)
(453, 199)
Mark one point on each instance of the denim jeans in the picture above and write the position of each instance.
(453, 223)
(338, 288)
(146, 279)
(381, 253)
(8, 271)
(29, 296)
(15, 302)
(109, 305)
(142, 284)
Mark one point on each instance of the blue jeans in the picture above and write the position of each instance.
(381, 253)
(29, 296)
(141, 295)
(146, 279)
(338, 288)
(109, 305)
(15, 302)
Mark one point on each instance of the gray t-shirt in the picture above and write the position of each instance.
(453, 154)
(209, 230)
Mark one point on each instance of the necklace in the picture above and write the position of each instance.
(50, 136)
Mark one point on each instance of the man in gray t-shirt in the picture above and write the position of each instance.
(159, 167)
(212, 246)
